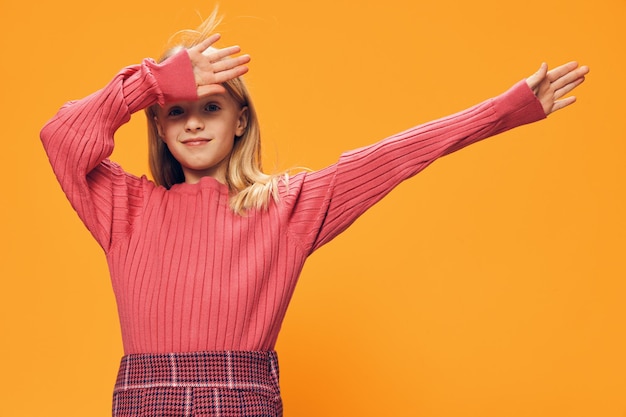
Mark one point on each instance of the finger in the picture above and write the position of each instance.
(558, 105)
(206, 44)
(561, 70)
(568, 87)
(534, 80)
(572, 76)
(230, 63)
(215, 55)
(228, 75)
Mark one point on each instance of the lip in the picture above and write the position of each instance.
(195, 141)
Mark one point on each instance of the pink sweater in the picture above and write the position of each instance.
(189, 274)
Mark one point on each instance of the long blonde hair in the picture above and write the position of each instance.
(249, 186)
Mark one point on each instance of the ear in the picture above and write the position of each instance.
(159, 128)
(242, 121)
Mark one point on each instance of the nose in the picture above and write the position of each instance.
(194, 124)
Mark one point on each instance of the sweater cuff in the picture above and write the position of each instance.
(519, 106)
(175, 78)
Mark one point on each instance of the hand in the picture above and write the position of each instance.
(550, 86)
(212, 66)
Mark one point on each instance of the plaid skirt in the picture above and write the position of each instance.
(225, 384)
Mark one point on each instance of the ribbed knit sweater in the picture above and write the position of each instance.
(188, 273)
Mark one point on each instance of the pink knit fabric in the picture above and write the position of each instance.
(188, 273)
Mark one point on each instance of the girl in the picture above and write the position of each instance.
(205, 258)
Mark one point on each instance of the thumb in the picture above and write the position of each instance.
(210, 89)
(534, 80)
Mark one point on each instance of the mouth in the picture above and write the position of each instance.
(195, 141)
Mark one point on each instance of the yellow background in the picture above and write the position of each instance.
(492, 284)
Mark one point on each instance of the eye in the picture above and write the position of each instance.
(175, 111)
(212, 107)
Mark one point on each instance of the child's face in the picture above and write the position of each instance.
(201, 134)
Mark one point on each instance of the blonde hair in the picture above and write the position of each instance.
(249, 186)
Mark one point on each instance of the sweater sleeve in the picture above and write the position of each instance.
(326, 202)
(79, 140)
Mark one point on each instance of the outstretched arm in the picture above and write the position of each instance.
(550, 86)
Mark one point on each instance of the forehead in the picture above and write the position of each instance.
(214, 92)
(223, 99)
(201, 100)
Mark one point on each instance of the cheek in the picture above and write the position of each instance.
(169, 131)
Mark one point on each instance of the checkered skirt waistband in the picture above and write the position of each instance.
(191, 384)
(218, 369)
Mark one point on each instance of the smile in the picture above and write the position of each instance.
(195, 141)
